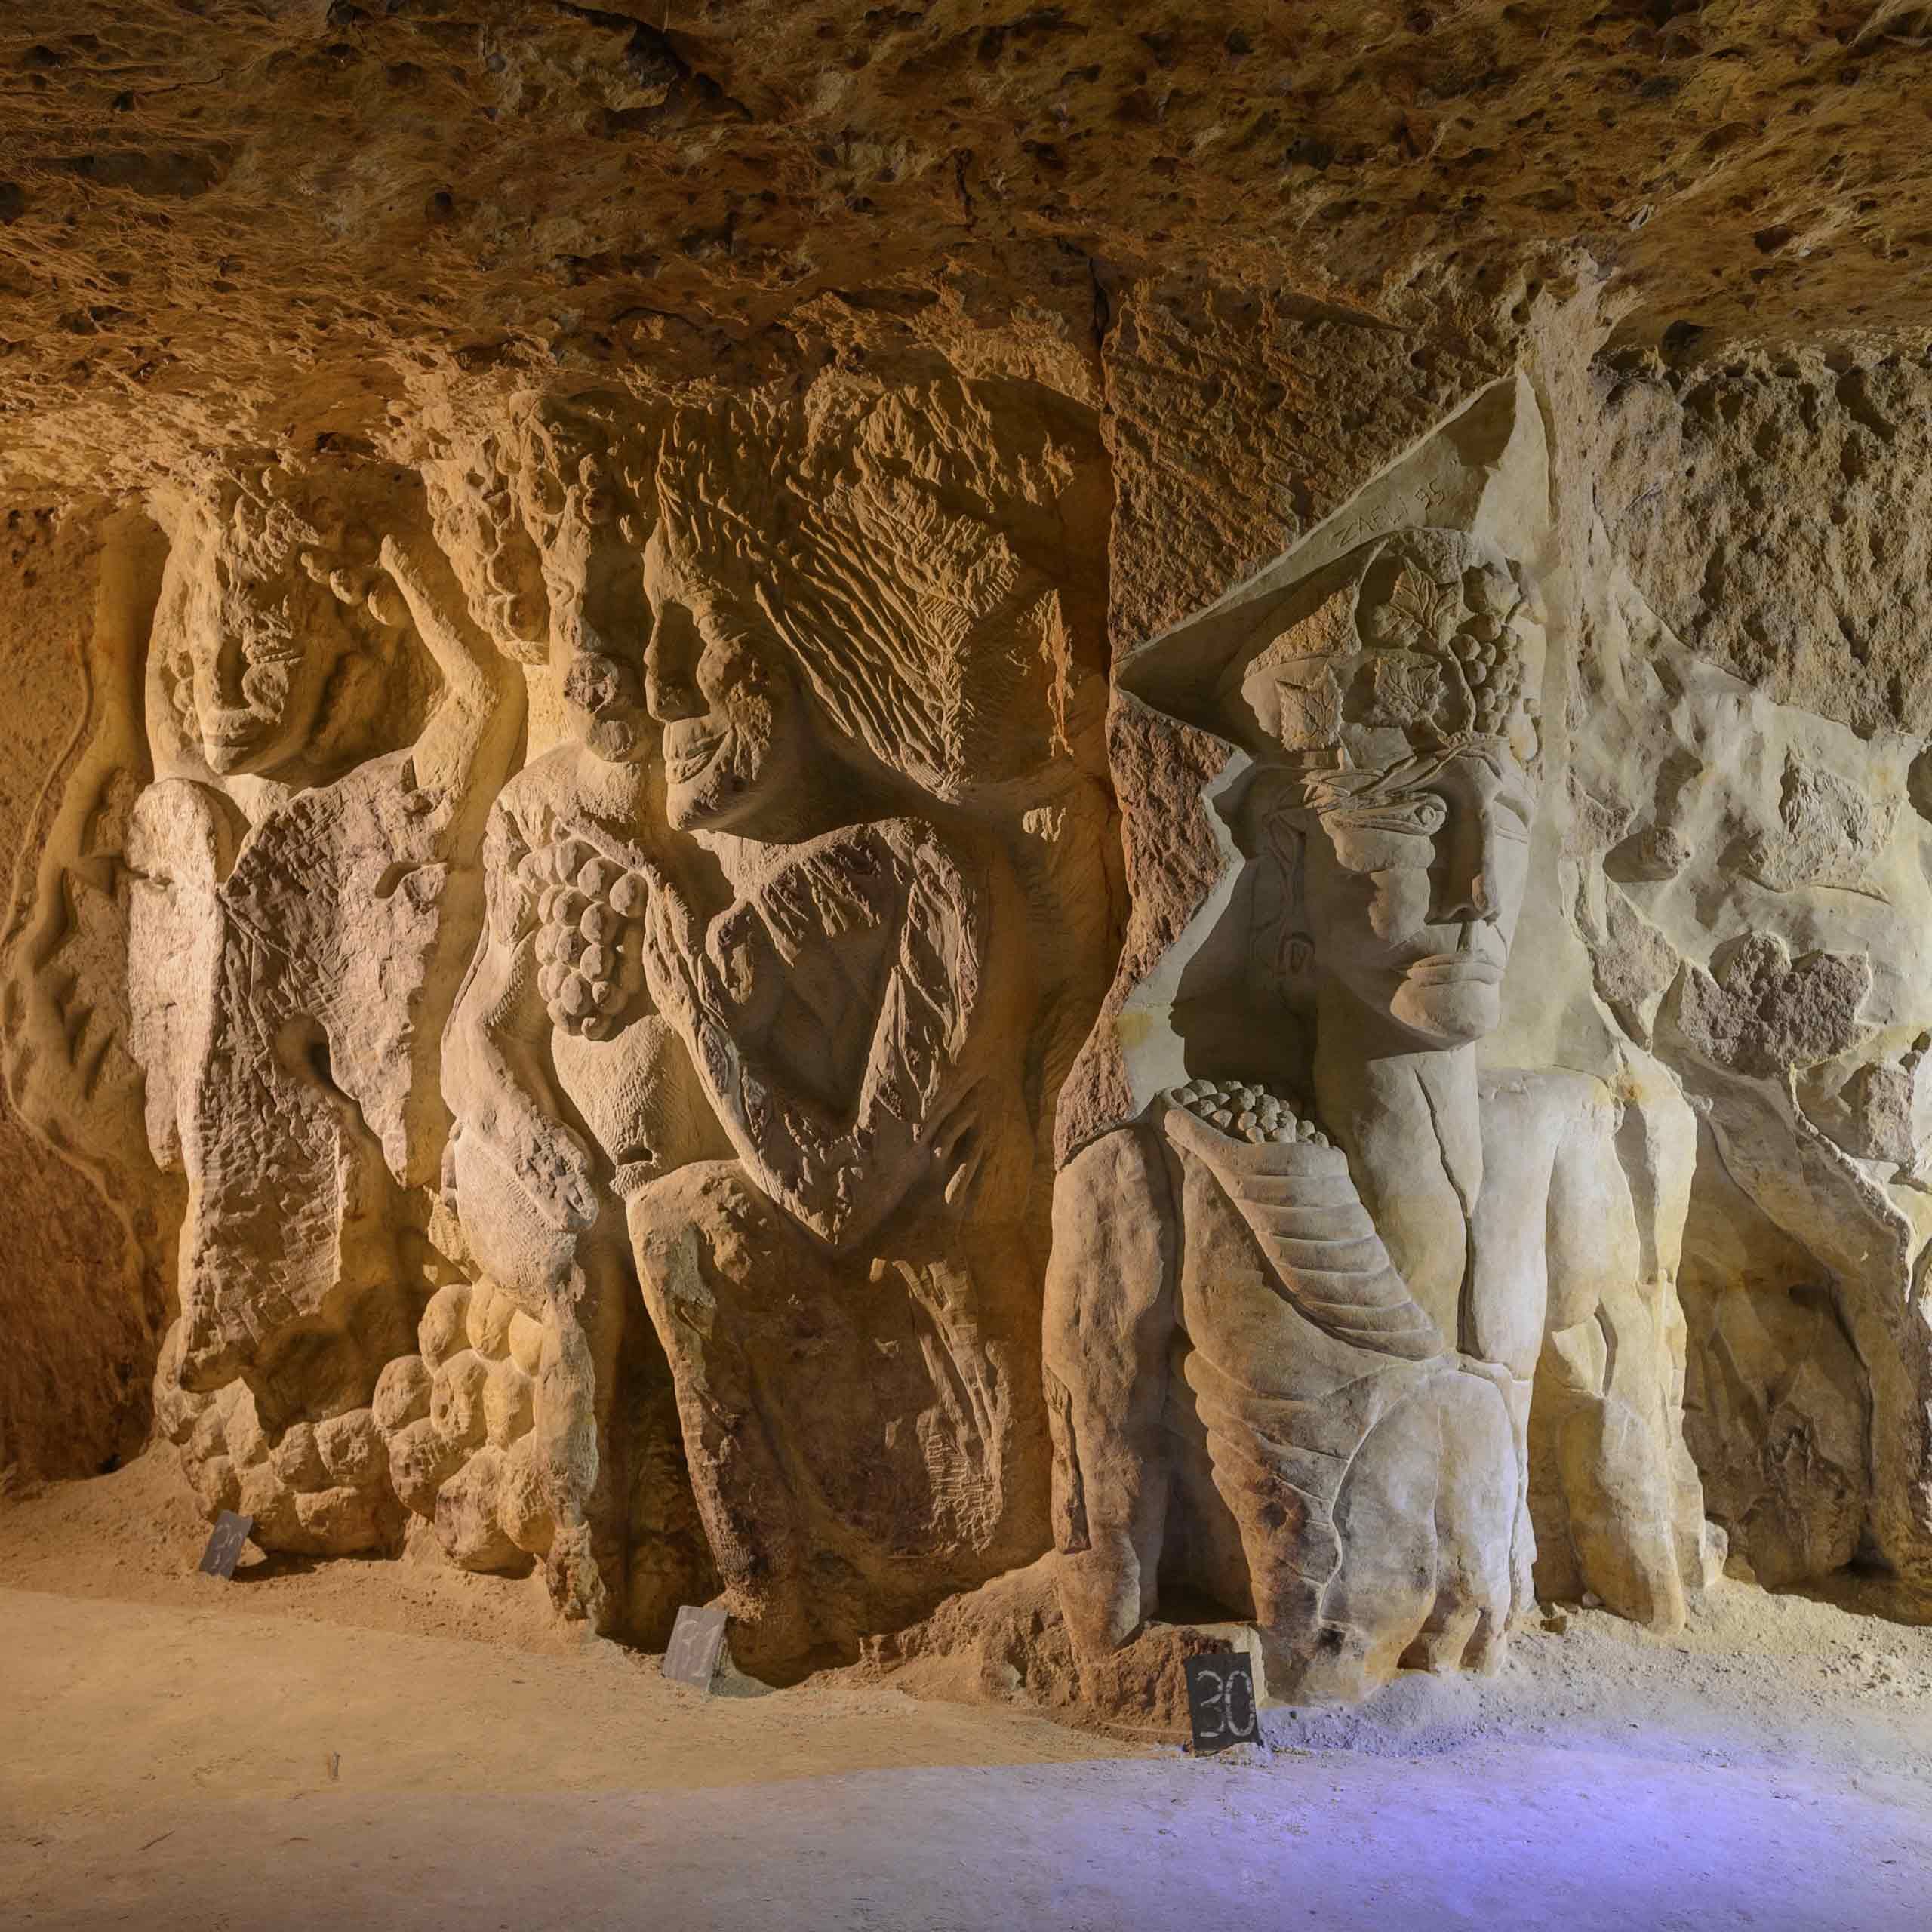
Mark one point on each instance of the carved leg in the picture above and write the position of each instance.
(1384, 1582)
(576, 1284)
(1516, 1391)
(697, 1235)
(576, 1380)
(1613, 1464)
(1108, 1314)
(1477, 1512)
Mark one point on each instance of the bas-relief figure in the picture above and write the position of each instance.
(1296, 1310)
(562, 1107)
(791, 926)
(762, 968)
(301, 906)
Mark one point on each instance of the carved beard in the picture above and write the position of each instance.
(711, 771)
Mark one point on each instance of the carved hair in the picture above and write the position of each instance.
(289, 526)
(880, 542)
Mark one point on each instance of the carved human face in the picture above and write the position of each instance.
(736, 735)
(1412, 877)
(246, 653)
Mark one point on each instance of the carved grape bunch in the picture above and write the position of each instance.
(1470, 619)
(588, 907)
(1247, 1110)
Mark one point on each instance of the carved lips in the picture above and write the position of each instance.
(1456, 969)
(690, 745)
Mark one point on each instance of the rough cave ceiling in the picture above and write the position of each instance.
(266, 215)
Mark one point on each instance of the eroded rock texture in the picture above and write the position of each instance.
(1054, 838)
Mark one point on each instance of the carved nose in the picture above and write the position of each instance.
(669, 692)
(1466, 899)
(221, 665)
(1463, 892)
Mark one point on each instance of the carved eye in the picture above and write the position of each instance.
(1511, 819)
(1420, 815)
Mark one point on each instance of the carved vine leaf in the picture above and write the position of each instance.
(1428, 610)
(1408, 689)
(1309, 704)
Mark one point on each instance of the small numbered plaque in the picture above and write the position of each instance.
(697, 1643)
(226, 1543)
(1220, 1701)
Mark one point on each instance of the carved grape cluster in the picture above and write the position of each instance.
(1470, 620)
(1247, 1111)
(590, 966)
(1490, 656)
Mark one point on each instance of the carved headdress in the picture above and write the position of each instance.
(1418, 645)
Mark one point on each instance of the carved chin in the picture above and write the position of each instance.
(714, 791)
(617, 740)
(1453, 1014)
(240, 741)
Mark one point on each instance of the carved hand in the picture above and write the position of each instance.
(679, 975)
(743, 967)
(556, 1169)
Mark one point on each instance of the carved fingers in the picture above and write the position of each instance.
(676, 967)
(746, 963)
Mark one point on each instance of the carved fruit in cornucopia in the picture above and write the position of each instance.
(1247, 1110)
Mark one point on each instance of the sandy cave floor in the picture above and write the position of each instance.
(397, 1744)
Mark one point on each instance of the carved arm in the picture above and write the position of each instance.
(495, 1078)
(913, 1114)
(475, 679)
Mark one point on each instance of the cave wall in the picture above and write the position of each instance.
(1728, 783)
(85, 1274)
(657, 849)
(1765, 513)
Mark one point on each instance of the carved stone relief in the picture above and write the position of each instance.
(764, 1009)
(1749, 879)
(607, 910)
(302, 905)
(1311, 1404)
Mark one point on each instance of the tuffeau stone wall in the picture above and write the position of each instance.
(979, 839)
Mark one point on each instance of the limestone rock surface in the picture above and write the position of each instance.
(1055, 835)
